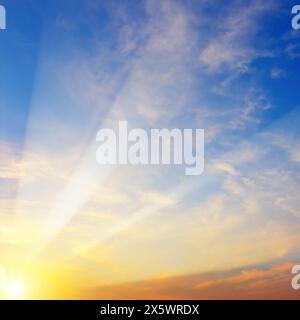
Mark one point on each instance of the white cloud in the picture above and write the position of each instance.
(277, 73)
(234, 46)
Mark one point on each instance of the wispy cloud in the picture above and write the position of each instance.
(266, 282)
(233, 46)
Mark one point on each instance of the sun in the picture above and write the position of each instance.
(14, 289)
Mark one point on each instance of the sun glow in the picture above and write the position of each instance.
(15, 289)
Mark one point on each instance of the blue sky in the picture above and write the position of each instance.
(62, 31)
(68, 68)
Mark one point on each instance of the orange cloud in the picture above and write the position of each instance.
(273, 282)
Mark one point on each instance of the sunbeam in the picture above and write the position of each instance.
(150, 148)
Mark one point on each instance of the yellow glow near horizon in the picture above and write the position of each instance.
(14, 289)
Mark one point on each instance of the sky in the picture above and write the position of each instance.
(70, 228)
